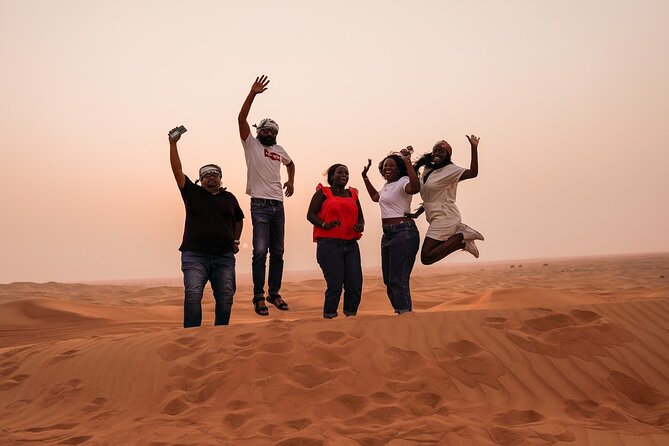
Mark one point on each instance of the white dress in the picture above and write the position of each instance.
(438, 193)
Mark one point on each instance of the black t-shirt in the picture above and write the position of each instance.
(210, 220)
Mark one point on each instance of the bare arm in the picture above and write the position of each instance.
(360, 226)
(414, 184)
(314, 208)
(258, 87)
(416, 214)
(373, 193)
(239, 225)
(175, 162)
(289, 185)
(473, 170)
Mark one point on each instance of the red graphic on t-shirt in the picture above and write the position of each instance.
(272, 155)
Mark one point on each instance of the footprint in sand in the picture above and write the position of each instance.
(17, 406)
(385, 415)
(471, 365)
(496, 322)
(202, 393)
(463, 348)
(309, 376)
(13, 382)
(236, 420)
(301, 441)
(299, 424)
(7, 368)
(190, 341)
(77, 440)
(63, 356)
(246, 339)
(504, 436)
(404, 361)
(423, 404)
(172, 351)
(382, 398)
(516, 417)
(94, 405)
(508, 437)
(58, 427)
(594, 412)
(175, 407)
(63, 390)
(343, 406)
(635, 390)
(330, 336)
(429, 399)
(584, 334)
(277, 347)
(237, 405)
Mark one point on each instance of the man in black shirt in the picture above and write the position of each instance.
(212, 230)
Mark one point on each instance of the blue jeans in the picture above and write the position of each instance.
(340, 262)
(268, 220)
(399, 246)
(219, 270)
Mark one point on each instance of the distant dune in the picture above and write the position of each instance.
(569, 352)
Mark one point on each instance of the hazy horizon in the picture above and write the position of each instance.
(570, 100)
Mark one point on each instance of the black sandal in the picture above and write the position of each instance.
(277, 302)
(261, 310)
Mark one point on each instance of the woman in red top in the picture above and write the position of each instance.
(338, 223)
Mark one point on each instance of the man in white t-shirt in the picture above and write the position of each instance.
(263, 183)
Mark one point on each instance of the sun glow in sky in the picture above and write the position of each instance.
(570, 100)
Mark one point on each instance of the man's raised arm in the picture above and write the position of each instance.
(175, 161)
(258, 87)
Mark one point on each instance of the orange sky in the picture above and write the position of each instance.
(570, 100)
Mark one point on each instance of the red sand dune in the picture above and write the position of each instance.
(574, 352)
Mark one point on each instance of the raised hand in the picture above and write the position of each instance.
(473, 140)
(366, 168)
(406, 154)
(177, 138)
(260, 84)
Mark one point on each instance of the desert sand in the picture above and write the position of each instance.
(566, 352)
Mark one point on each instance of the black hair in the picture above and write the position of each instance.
(401, 167)
(426, 160)
(331, 171)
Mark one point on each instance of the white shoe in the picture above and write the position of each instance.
(471, 248)
(469, 233)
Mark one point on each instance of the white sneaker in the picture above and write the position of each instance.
(469, 233)
(471, 248)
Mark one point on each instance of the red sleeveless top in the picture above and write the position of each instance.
(344, 209)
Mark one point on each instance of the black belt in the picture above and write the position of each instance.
(265, 201)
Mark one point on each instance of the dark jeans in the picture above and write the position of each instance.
(340, 262)
(268, 221)
(219, 270)
(399, 246)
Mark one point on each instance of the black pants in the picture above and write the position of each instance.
(340, 262)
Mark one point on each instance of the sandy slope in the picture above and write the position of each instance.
(559, 352)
